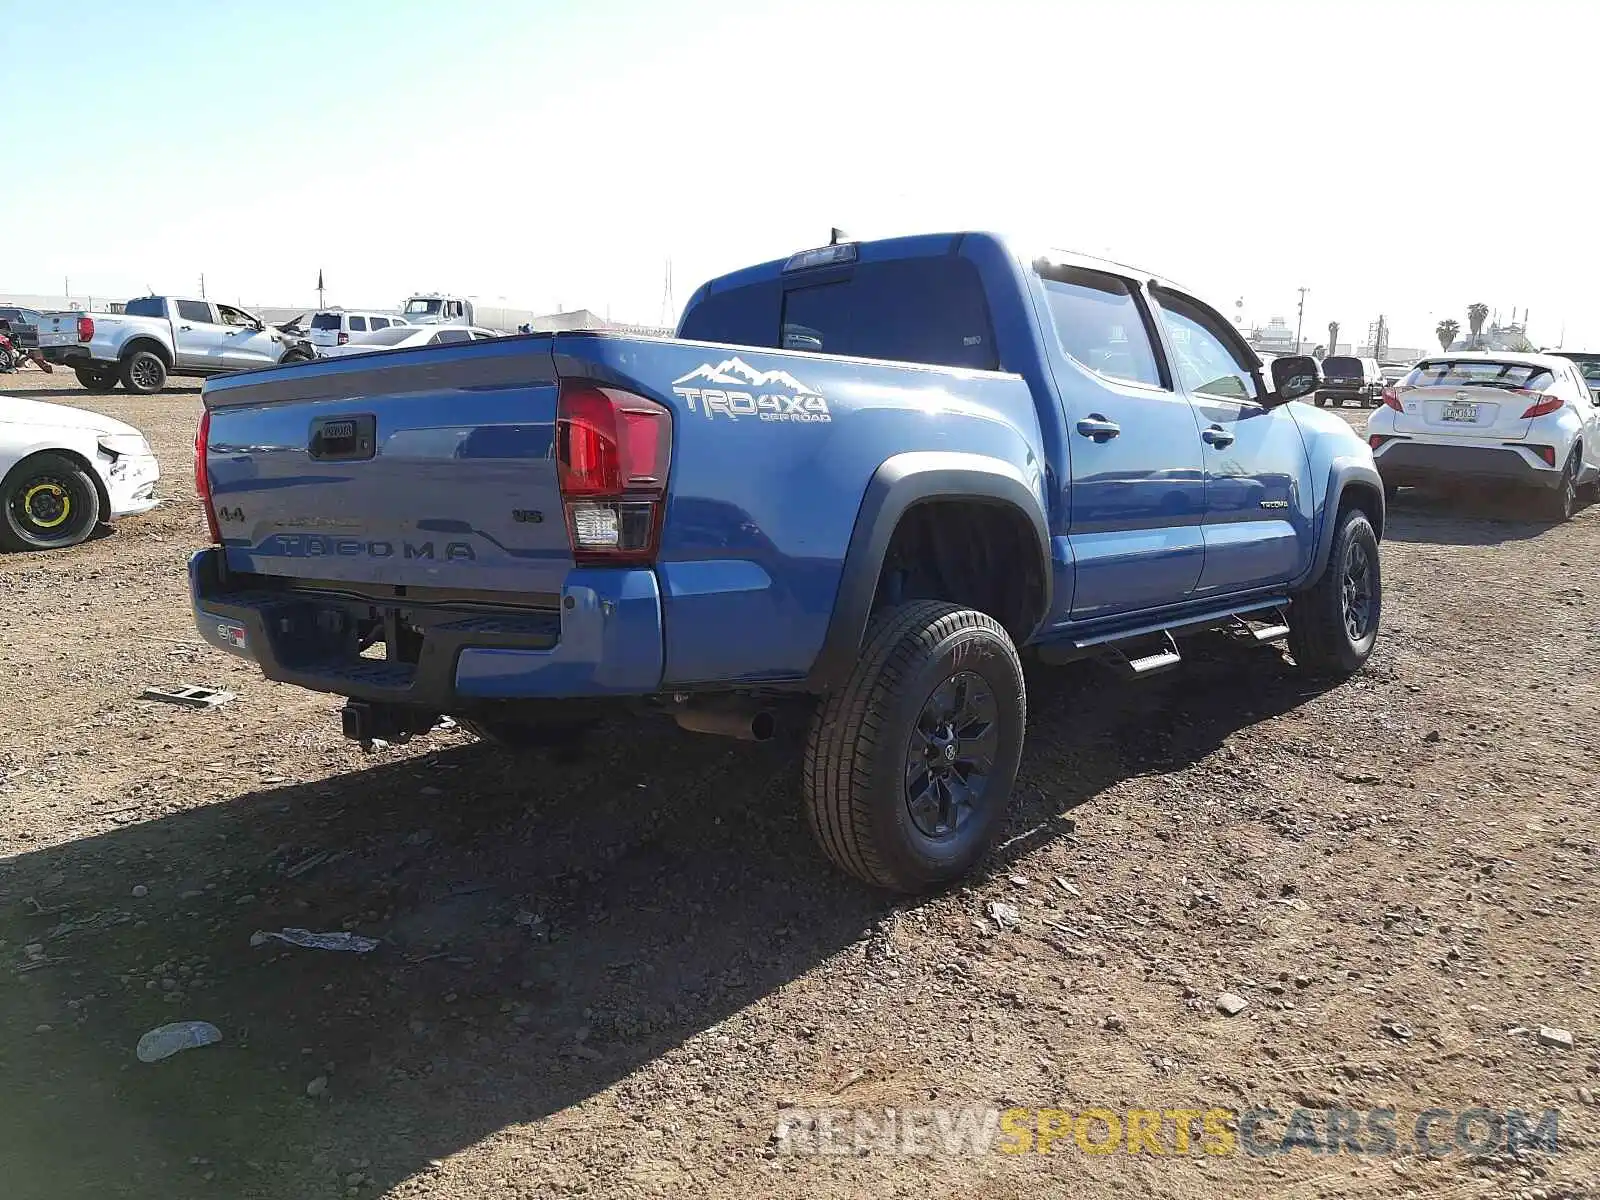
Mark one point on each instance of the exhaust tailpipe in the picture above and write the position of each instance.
(747, 722)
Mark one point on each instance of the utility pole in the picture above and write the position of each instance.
(66, 285)
(202, 285)
(320, 304)
(1300, 319)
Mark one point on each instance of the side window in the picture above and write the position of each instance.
(448, 335)
(482, 337)
(1100, 323)
(358, 324)
(196, 310)
(1203, 353)
(233, 316)
(380, 322)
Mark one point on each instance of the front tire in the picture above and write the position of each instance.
(144, 373)
(95, 379)
(1333, 624)
(909, 766)
(49, 502)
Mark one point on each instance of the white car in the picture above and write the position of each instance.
(1478, 417)
(66, 471)
(338, 327)
(404, 337)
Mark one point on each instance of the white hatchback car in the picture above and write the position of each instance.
(1480, 417)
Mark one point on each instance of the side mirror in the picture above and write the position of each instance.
(1294, 377)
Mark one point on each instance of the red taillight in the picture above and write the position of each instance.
(344, 337)
(1391, 399)
(86, 329)
(1377, 439)
(1543, 403)
(202, 477)
(612, 453)
(1548, 453)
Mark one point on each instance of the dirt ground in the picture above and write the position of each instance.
(609, 977)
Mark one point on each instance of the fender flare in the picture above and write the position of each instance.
(1343, 473)
(896, 486)
(138, 340)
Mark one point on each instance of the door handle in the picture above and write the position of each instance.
(1097, 427)
(185, 328)
(1217, 436)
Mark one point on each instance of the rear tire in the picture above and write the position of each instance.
(1333, 624)
(144, 373)
(1560, 502)
(97, 379)
(909, 766)
(47, 502)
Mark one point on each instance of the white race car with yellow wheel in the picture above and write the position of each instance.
(65, 471)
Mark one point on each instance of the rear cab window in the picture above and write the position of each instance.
(929, 310)
(325, 321)
(196, 310)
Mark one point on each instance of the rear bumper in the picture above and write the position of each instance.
(68, 356)
(1404, 462)
(605, 640)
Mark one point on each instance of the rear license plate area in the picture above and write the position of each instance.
(1459, 413)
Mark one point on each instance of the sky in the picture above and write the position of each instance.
(1405, 158)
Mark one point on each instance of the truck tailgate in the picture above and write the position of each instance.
(58, 329)
(406, 468)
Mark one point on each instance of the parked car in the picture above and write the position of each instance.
(338, 327)
(1588, 366)
(21, 325)
(157, 336)
(981, 452)
(1394, 372)
(1345, 378)
(1472, 417)
(403, 337)
(66, 471)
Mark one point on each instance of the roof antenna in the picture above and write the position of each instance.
(836, 236)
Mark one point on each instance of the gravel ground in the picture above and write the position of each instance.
(609, 977)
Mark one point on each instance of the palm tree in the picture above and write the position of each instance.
(1477, 314)
(1446, 331)
(1333, 337)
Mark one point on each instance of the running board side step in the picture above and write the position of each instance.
(1163, 656)
(1275, 626)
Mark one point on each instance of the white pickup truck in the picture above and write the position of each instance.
(157, 336)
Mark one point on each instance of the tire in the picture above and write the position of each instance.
(96, 380)
(1329, 633)
(143, 373)
(47, 502)
(923, 665)
(1560, 502)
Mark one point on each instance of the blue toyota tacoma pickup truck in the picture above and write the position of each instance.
(871, 476)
